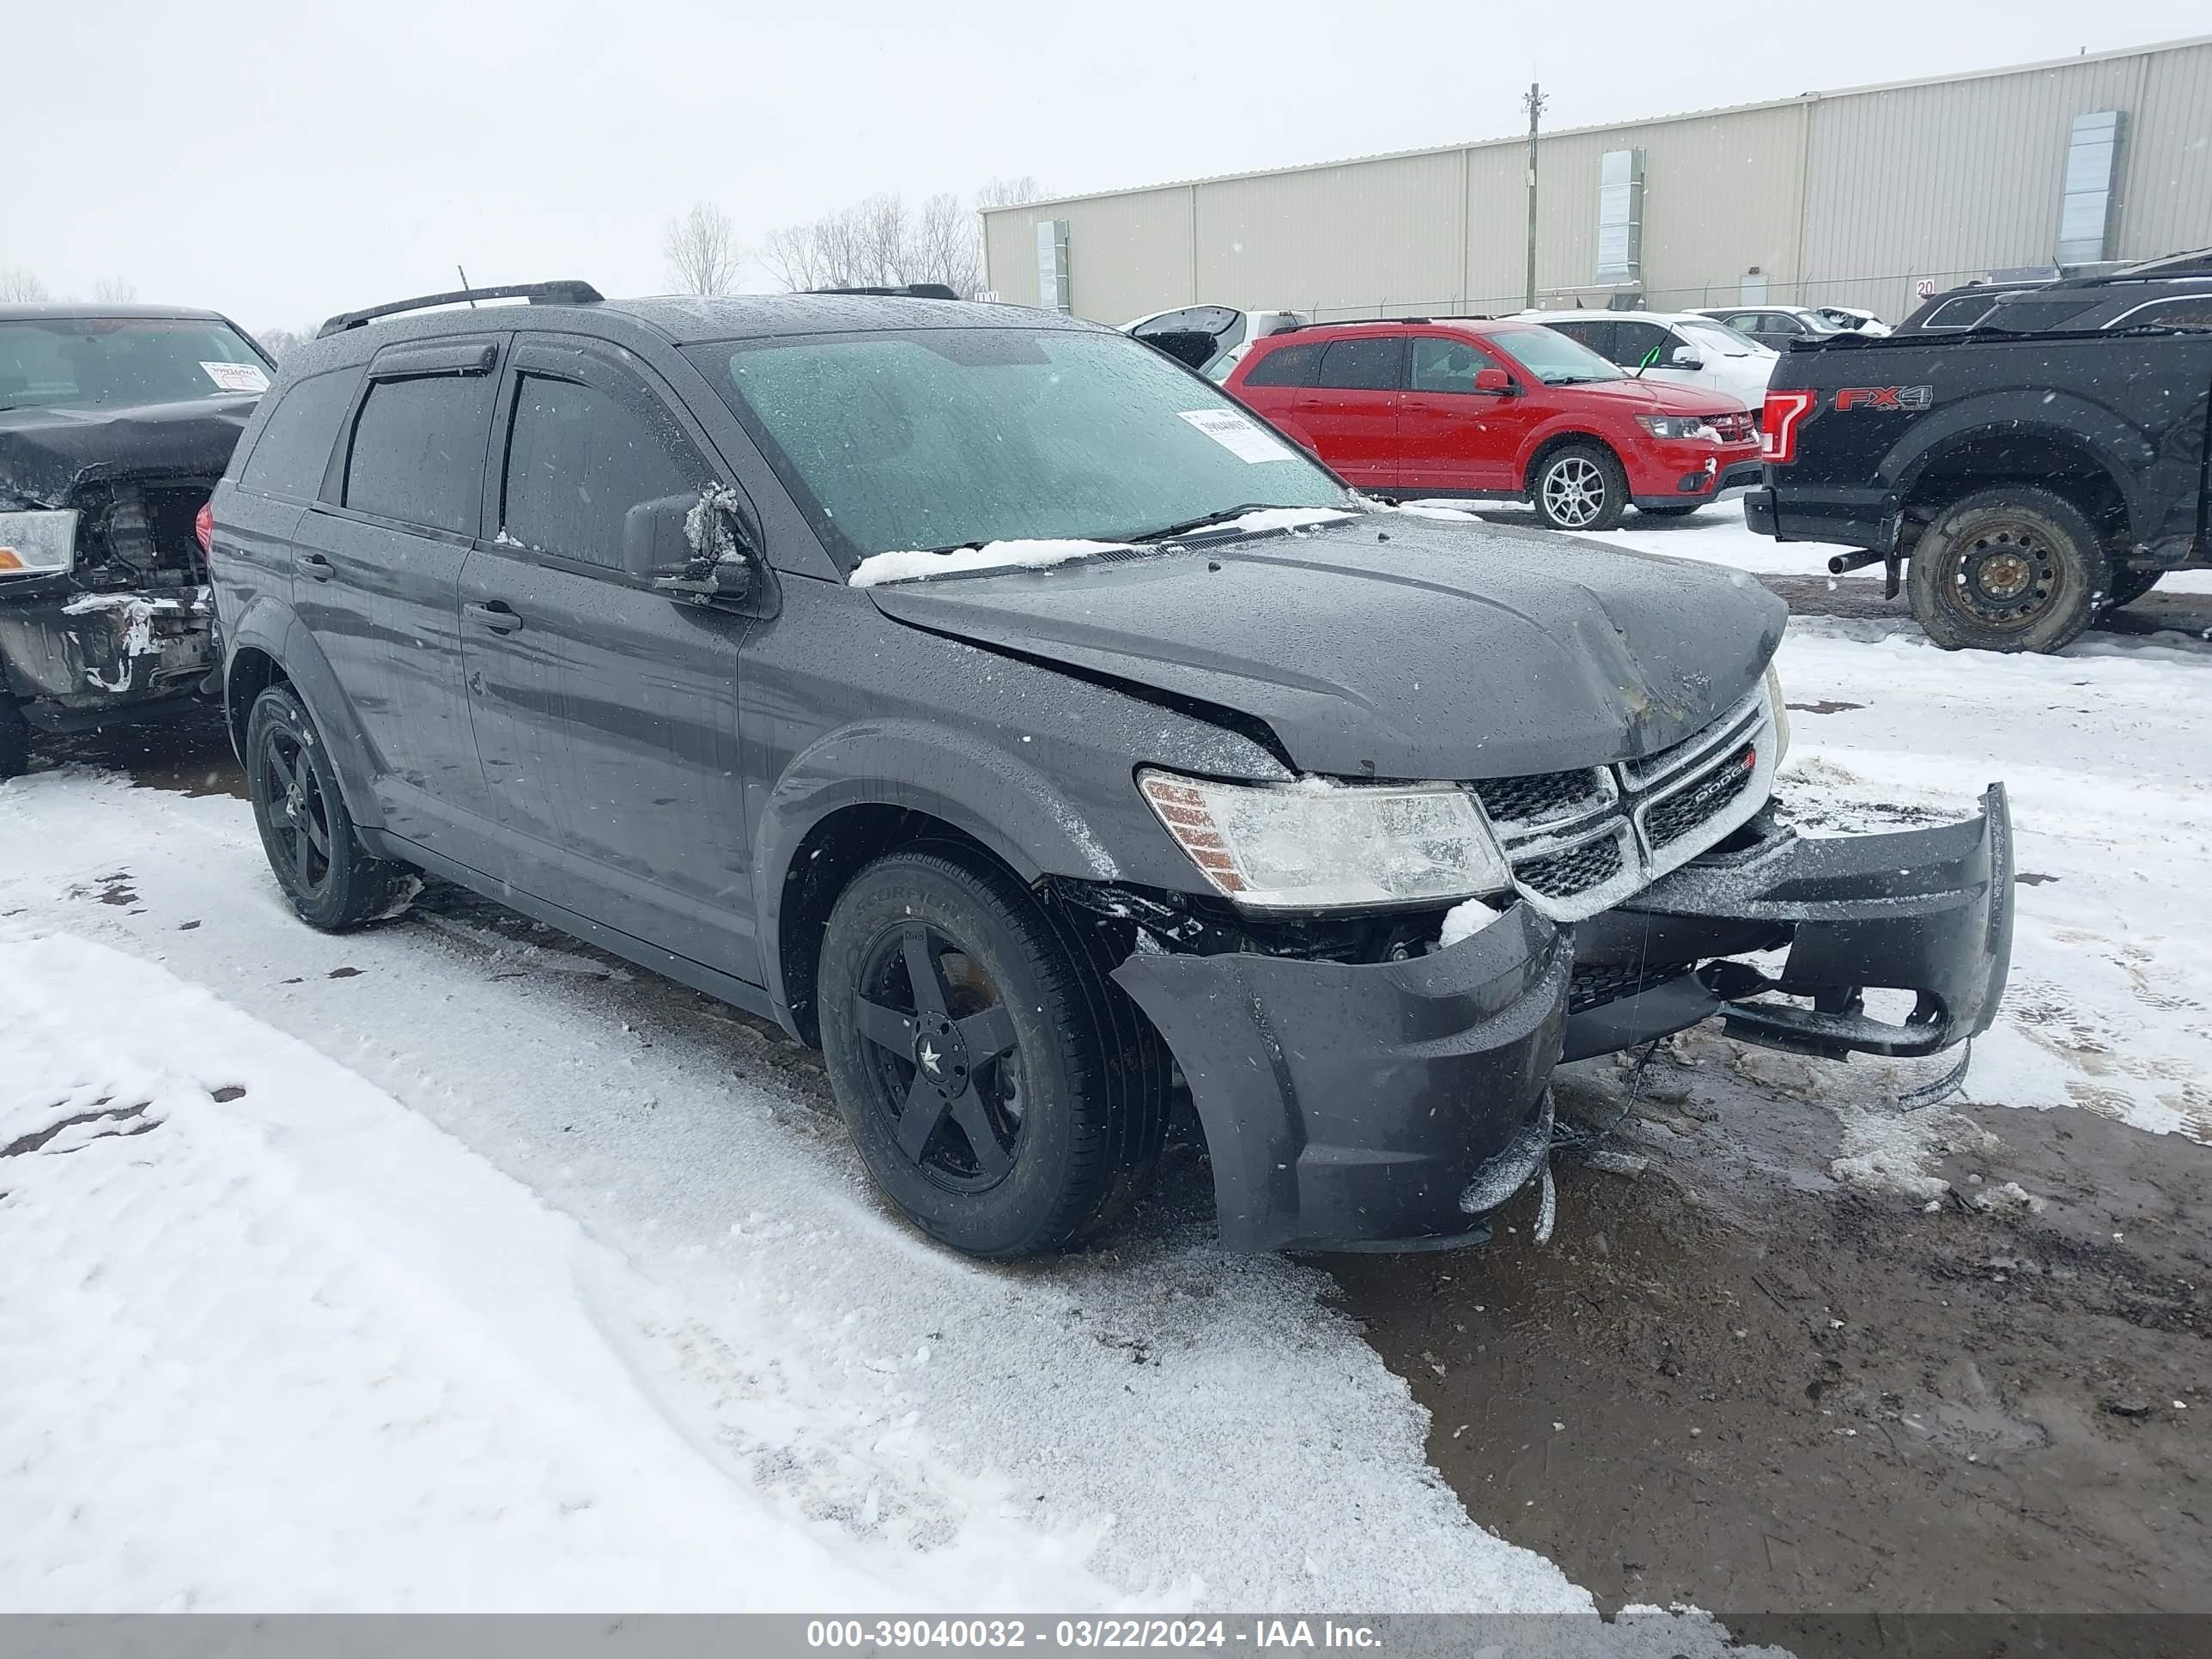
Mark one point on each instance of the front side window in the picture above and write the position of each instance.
(418, 451)
(578, 461)
(103, 362)
(1636, 344)
(934, 439)
(1445, 365)
(1367, 365)
(1551, 358)
(2193, 311)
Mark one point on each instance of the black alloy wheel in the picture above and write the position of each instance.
(326, 874)
(945, 1057)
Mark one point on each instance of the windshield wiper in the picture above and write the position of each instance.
(1204, 520)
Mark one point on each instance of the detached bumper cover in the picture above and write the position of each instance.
(1393, 1105)
(1929, 911)
(1349, 1106)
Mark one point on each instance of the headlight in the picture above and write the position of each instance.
(1677, 426)
(1781, 713)
(44, 543)
(1319, 845)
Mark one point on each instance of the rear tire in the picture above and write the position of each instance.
(14, 740)
(1580, 487)
(2010, 568)
(1010, 1100)
(328, 879)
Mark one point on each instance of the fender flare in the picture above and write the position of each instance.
(1564, 427)
(998, 799)
(2061, 418)
(272, 627)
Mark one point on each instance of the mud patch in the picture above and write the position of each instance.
(1727, 1384)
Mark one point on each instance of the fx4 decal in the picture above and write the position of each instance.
(1885, 396)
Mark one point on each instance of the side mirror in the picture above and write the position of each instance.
(692, 547)
(1496, 381)
(1686, 357)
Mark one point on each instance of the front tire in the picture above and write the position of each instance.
(2011, 568)
(1580, 487)
(1005, 1095)
(328, 879)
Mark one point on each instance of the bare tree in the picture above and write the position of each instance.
(116, 291)
(281, 342)
(697, 246)
(878, 243)
(21, 286)
(1011, 192)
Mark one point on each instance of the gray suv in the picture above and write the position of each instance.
(984, 697)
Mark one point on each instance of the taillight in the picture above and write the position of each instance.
(203, 527)
(1778, 422)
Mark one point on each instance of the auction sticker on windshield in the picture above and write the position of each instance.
(1237, 436)
(237, 377)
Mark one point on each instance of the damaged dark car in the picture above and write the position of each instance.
(115, 424)
(989, 700)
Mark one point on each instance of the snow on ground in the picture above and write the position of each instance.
(515, 1280)
(2102, 753)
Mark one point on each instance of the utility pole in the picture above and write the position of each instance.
(1535, 105)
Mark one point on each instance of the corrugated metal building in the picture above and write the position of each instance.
(1845, 197)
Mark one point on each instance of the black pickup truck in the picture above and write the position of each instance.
(2041, 468)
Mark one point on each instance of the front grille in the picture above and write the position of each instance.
(1563, 875)
(1680, 813)
(1734, 428)
(1541, 796)
(1599, 983)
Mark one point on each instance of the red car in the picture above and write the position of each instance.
(1464, 407)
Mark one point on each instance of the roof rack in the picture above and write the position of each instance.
(538, 293)
(906, 291)
(1350, 322)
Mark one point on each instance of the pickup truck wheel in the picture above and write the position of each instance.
(2126, 586)
(14, 739)
(308, 835)
(1580, 487)
(2011, 568)
(1003, 1093)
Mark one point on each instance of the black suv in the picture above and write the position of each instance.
(982, 695)
(115, 422)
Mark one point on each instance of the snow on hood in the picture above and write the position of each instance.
(878, 569)
(1398, 646)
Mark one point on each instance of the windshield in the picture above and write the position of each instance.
(944, 438)
(1551, 358)
(1716, 337)
(97, 363)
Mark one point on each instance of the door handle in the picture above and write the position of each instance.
(494, 614)
(318, 566)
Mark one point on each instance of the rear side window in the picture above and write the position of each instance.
(1597, 336)
(579, 460)
(294, 451)
(1295, 365)
(418, 451)
(1363, 365)
(1964, 312)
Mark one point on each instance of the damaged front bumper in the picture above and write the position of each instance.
(72, 656)
(1395, 1105)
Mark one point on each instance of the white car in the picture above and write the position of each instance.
(1211, 339)
(1673, 348)
(1852, 318)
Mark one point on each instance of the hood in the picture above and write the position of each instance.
(1653, 397)
(1445, 651)
(48, 455)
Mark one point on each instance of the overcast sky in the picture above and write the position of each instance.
(284, 159)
